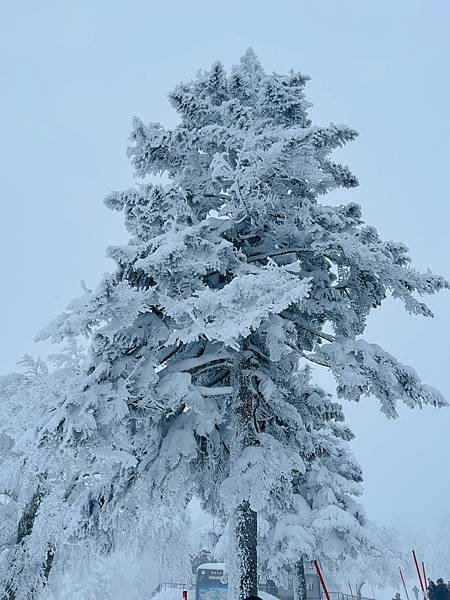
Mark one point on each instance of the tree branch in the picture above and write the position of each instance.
(316, 332)
(226, 390)
(311, 357)
(218, 377)
(315, 360)
(282, 251)
(193, 364)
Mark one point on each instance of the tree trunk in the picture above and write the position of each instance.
(24, 529)
(300, 587)
(244, 522)
(26, 522)
(47, 566)
(245, 533)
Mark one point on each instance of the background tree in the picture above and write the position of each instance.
(29, 476)
(236, 273)
(42, 488)
(379, 568)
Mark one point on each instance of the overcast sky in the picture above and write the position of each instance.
(73, 74)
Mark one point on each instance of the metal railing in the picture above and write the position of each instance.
(171, 585)
(273, 591)
(342, 596)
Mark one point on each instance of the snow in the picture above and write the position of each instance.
(266, 596)
(193, 377)
(214, 566)
(176, 594)
(172, 594)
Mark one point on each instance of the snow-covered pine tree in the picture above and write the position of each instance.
(235, 273)
(43, 491)
(31, 479)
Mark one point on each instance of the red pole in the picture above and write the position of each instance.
(424, 576)
(319, 573)
(185, 595)
(418, 571)
(404, 584)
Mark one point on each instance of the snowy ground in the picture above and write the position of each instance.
(178, 595)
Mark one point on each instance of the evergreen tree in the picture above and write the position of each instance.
(236, 273)
(44, 490)
(31, 480)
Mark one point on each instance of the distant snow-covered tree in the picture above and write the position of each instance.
(155, 551)
(31, 479)
(380, 566)
(430, 540)
(236, 273)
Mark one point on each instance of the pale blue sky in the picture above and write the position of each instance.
(73, 74)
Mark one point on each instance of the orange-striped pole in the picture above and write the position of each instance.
(319, 573)
(424, 575)
(418, 571)
(425, 580)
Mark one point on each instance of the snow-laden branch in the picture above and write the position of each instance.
(225, 390)
(192, 364)
(281, 252)
(233, 312)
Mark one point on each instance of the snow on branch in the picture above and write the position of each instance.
(363, 369)
(231, 313)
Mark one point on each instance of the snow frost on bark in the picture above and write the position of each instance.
(244, 581)
(244, 521)
(21, 559)
(300, 587)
